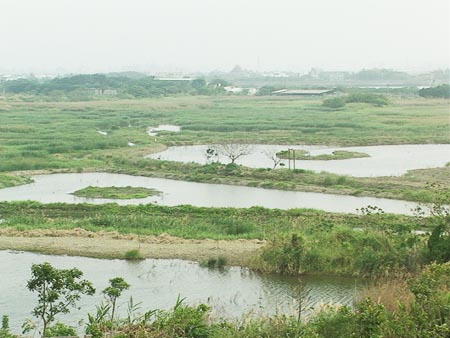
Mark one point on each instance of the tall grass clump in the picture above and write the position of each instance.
(133, 255)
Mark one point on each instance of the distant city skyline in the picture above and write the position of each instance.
(191, 36)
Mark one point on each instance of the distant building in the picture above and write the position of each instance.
(240, 90)
(233, 89)
(101, 92)
(175, 78)
(303, 92)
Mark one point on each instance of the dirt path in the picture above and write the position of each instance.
(79, 242)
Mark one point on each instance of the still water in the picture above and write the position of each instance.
(388, 160)
(231, 291)
(59, 188)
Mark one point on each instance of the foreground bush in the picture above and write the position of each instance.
(426, 314)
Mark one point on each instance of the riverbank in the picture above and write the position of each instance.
(106, 244)
(299, 241)
(413, 186)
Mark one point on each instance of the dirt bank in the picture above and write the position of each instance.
(79, 242)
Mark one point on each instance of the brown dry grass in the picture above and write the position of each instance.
(390, 292)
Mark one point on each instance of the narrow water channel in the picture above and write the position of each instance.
(59, 188)
(383, 160)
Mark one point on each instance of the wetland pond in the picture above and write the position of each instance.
(55, 188)
(385, 160)
(232, 291)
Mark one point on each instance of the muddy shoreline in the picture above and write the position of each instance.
(80, 242)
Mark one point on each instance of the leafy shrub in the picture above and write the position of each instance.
(334, 103)
(213, 262)
(184, 321)
(4, 330)
(375, 99)
(285, 254)
(60, 330)
(133, 255)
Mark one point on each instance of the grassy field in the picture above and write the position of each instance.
(95, 136)
(186, 221)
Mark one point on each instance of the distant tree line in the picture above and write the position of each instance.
(356, 97)
(442, 91)
(87, 85)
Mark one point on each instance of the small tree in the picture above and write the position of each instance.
(58, 290)
(211, 155)
(233, 150)
(113, 292)
(272, 155)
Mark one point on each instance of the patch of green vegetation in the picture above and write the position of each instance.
(116, 192)
(214, 263)
(442, 91)
(334, 102)
(188, 221)
(367, 97)
(13, 180)
(133, 255)
(300, 154)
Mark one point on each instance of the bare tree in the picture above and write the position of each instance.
(272, 155)
(233, 150)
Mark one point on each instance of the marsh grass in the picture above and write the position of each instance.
(64, 136)
(335, 155)
(390, 292)
(116, 192)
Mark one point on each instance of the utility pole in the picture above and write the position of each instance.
(293, 153)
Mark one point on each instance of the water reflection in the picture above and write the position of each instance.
(386, 160)
(59, 188)
(232, 291)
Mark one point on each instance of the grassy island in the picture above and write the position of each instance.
(121, 193)
(301, 154)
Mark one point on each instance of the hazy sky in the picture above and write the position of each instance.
(202, 35)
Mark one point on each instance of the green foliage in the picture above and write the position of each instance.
(97, 324)
(380, 75)
(60, 330)
(439, 243)
(58, 290)
(4, 330)
(218, 263)
(266, 90)
(439, 221)
(116, 192)
(133, 255)
(10, 180)
(334, 103)
(285, 254)
(441, 91)
(184, 321)
(88, 86)
(362, 97)
(114, 291)
(332, 322)
(427, 315)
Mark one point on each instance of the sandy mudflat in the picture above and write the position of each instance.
(79, 242)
